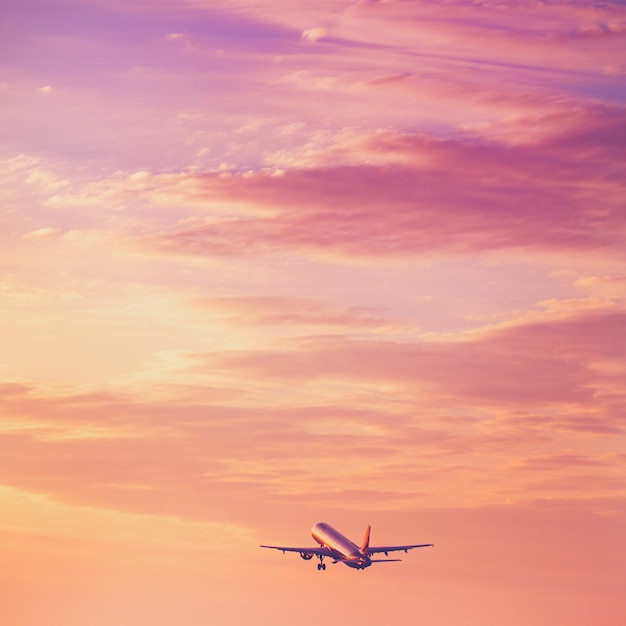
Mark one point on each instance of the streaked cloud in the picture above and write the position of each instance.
(263, 310)
(442, 195)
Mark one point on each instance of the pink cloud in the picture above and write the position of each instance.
(462, 197)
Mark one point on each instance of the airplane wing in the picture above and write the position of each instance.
(386, 549)
(317, 551)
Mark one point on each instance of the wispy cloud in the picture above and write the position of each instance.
(273, 311)
(525, 386)
(566, 360)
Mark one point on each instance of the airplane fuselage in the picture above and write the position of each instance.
(341, 548)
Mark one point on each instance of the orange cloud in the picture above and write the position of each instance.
(370, 410)
(555, 362)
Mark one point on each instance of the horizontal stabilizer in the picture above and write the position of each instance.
(385, 560)
(386, 549)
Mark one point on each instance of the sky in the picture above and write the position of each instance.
(265, 263)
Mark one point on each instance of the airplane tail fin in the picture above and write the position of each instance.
(365, 546)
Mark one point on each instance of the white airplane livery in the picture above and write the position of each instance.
(340, 549)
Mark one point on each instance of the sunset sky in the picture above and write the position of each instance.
(265, 263)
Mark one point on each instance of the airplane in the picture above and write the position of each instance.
(339, 548)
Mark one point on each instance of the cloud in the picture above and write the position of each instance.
(508, 411)
(561, 194)
(23, 513)
(42, 233)
(290, 311)
(527, 365)
(313, 34)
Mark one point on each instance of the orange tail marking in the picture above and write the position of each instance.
(365, 547)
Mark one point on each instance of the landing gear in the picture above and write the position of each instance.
(321, 565)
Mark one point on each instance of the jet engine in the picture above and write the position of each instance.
(307, 556)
